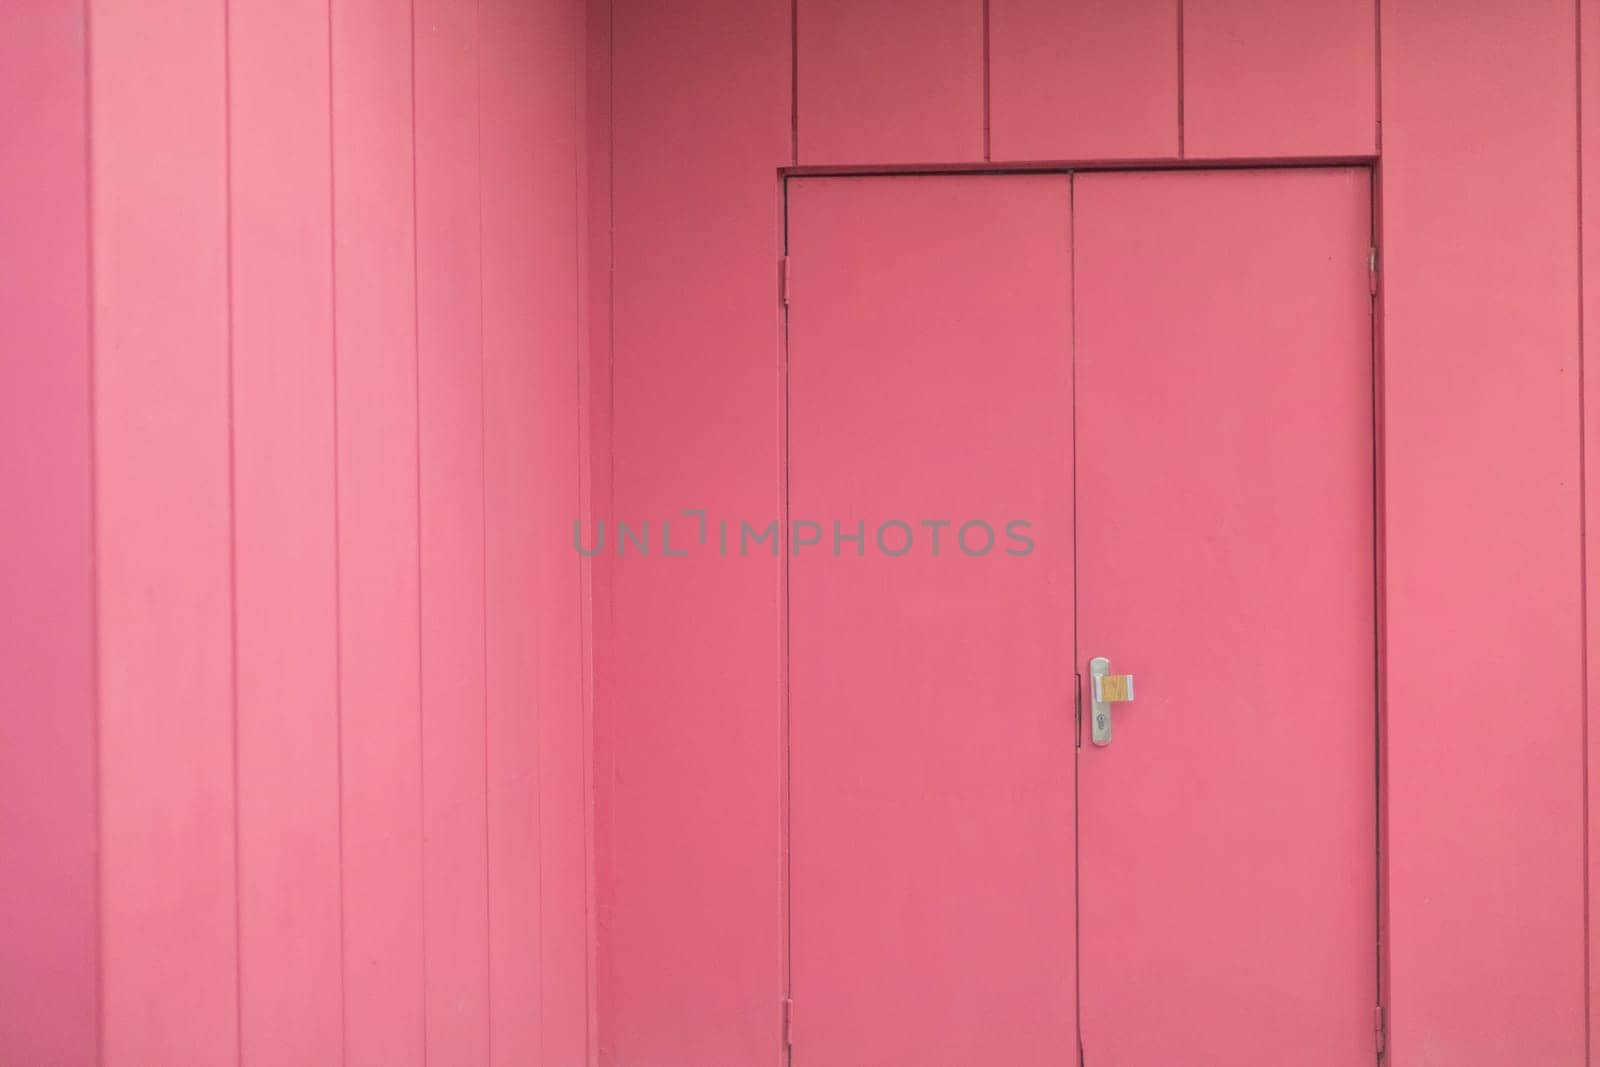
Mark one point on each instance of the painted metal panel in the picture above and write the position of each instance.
(510, 344)
(1094, 80)
(451, 537)
(878, 81)
(1227, 834)
(692, 909)
(163, 568)
(931, 691)
(376, 361)
(231, 421)
(48, 968)
(290, 966)
(1265, 79)
(1480, 350)
(551, 306)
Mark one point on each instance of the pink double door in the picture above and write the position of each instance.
(1033, 421)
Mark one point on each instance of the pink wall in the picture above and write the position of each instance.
(1486, 851)
(689, 740)
(1484, 704)
(334, 261)
(293, 397)
(48, 905)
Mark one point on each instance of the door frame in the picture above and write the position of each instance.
(1379, 707)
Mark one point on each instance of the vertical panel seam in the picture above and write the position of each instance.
(986, 103)
(416, 398)
(483, 533)
(1077, 727)
(582, 338)
(1379, 615)
(1181, 116)
(1379, 549)
(785, 646)
(338, 548)
(1583, 536)
(233, 517)
(534, 605)
(97, 798)
(611, 376)
(1377, 76)
(794, 85)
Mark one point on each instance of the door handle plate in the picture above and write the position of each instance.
(1105, 689)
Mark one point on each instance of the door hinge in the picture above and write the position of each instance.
(788, 1023)
(783, 280)
(1380, 1029)
(1372, 270)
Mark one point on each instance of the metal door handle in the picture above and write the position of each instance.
(1105, 689)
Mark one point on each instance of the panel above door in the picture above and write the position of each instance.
(1071, 81)
(882, 81)
(1265, 79)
